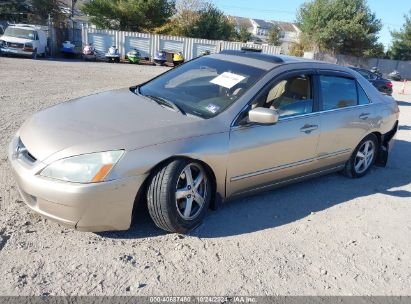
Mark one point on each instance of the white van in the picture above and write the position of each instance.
(23, 39)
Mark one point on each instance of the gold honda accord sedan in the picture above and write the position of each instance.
(215, 128)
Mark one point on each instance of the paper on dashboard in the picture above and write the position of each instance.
(227, 80)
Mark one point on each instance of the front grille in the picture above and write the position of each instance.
(15, 45)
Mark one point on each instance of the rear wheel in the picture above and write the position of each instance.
(179, 195)
(362, 158)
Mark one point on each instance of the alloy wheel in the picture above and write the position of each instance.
(364, 157)
(191, 191)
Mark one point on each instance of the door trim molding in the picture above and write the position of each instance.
(290, 180)
(286, 166)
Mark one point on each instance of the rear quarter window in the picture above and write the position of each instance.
(362, 96)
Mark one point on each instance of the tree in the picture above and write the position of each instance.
(211, 24)
(198, 19)
(31, 11)
(129, 15)
(296, 49)
(339, 26)
(186, 14)
(42, 9)
(274, 35)
(243, 34)
(377, 51)
(401, 44)
(14, 10)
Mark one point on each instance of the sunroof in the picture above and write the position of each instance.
(254, 55)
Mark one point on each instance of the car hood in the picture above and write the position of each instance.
(106, 121)
(12, 39)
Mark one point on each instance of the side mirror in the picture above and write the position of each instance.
(263, 116)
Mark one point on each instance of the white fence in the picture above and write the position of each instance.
(148, 44)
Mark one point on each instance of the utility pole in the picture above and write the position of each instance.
(73, 4)
(51, 39)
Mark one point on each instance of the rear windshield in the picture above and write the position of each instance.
(20, 33)
(205, 86)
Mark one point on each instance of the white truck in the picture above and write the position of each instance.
(23, 39)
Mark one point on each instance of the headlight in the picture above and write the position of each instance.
(86, 168)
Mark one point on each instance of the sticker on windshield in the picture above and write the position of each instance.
(213, 108)
(227, 80)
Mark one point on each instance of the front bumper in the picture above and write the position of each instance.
(86, 207)
(13, 51)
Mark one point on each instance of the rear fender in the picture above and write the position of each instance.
(385, 146)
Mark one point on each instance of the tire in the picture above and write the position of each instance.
(34, 55)
(168, 211)
(353, 168)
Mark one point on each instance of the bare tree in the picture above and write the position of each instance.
(187, 12)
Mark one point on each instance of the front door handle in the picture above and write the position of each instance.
(364, 115)
(307, 129)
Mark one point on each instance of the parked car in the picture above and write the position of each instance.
(394, 75)
(218, 127)
(383, 85)
(25, 40)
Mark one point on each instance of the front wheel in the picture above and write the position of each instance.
(362, 158)
(34, 55)
(179, 195)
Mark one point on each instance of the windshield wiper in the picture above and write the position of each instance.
(165, 102)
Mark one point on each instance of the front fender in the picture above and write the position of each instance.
(211, 149)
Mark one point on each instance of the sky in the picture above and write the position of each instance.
(390, 12)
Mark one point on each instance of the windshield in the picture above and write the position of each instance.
(203, 87)
(19, 33)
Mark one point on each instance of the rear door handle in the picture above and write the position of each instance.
(307, 129)
(364, 115)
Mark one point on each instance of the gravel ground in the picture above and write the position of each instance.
(327, 236)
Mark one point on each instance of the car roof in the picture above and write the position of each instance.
(24, 26)
(267, 61)
(262, 56)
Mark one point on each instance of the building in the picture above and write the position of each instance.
(259, 29)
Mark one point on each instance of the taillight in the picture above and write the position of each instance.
(389, 84)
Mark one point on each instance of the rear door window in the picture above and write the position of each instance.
(337, 92)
